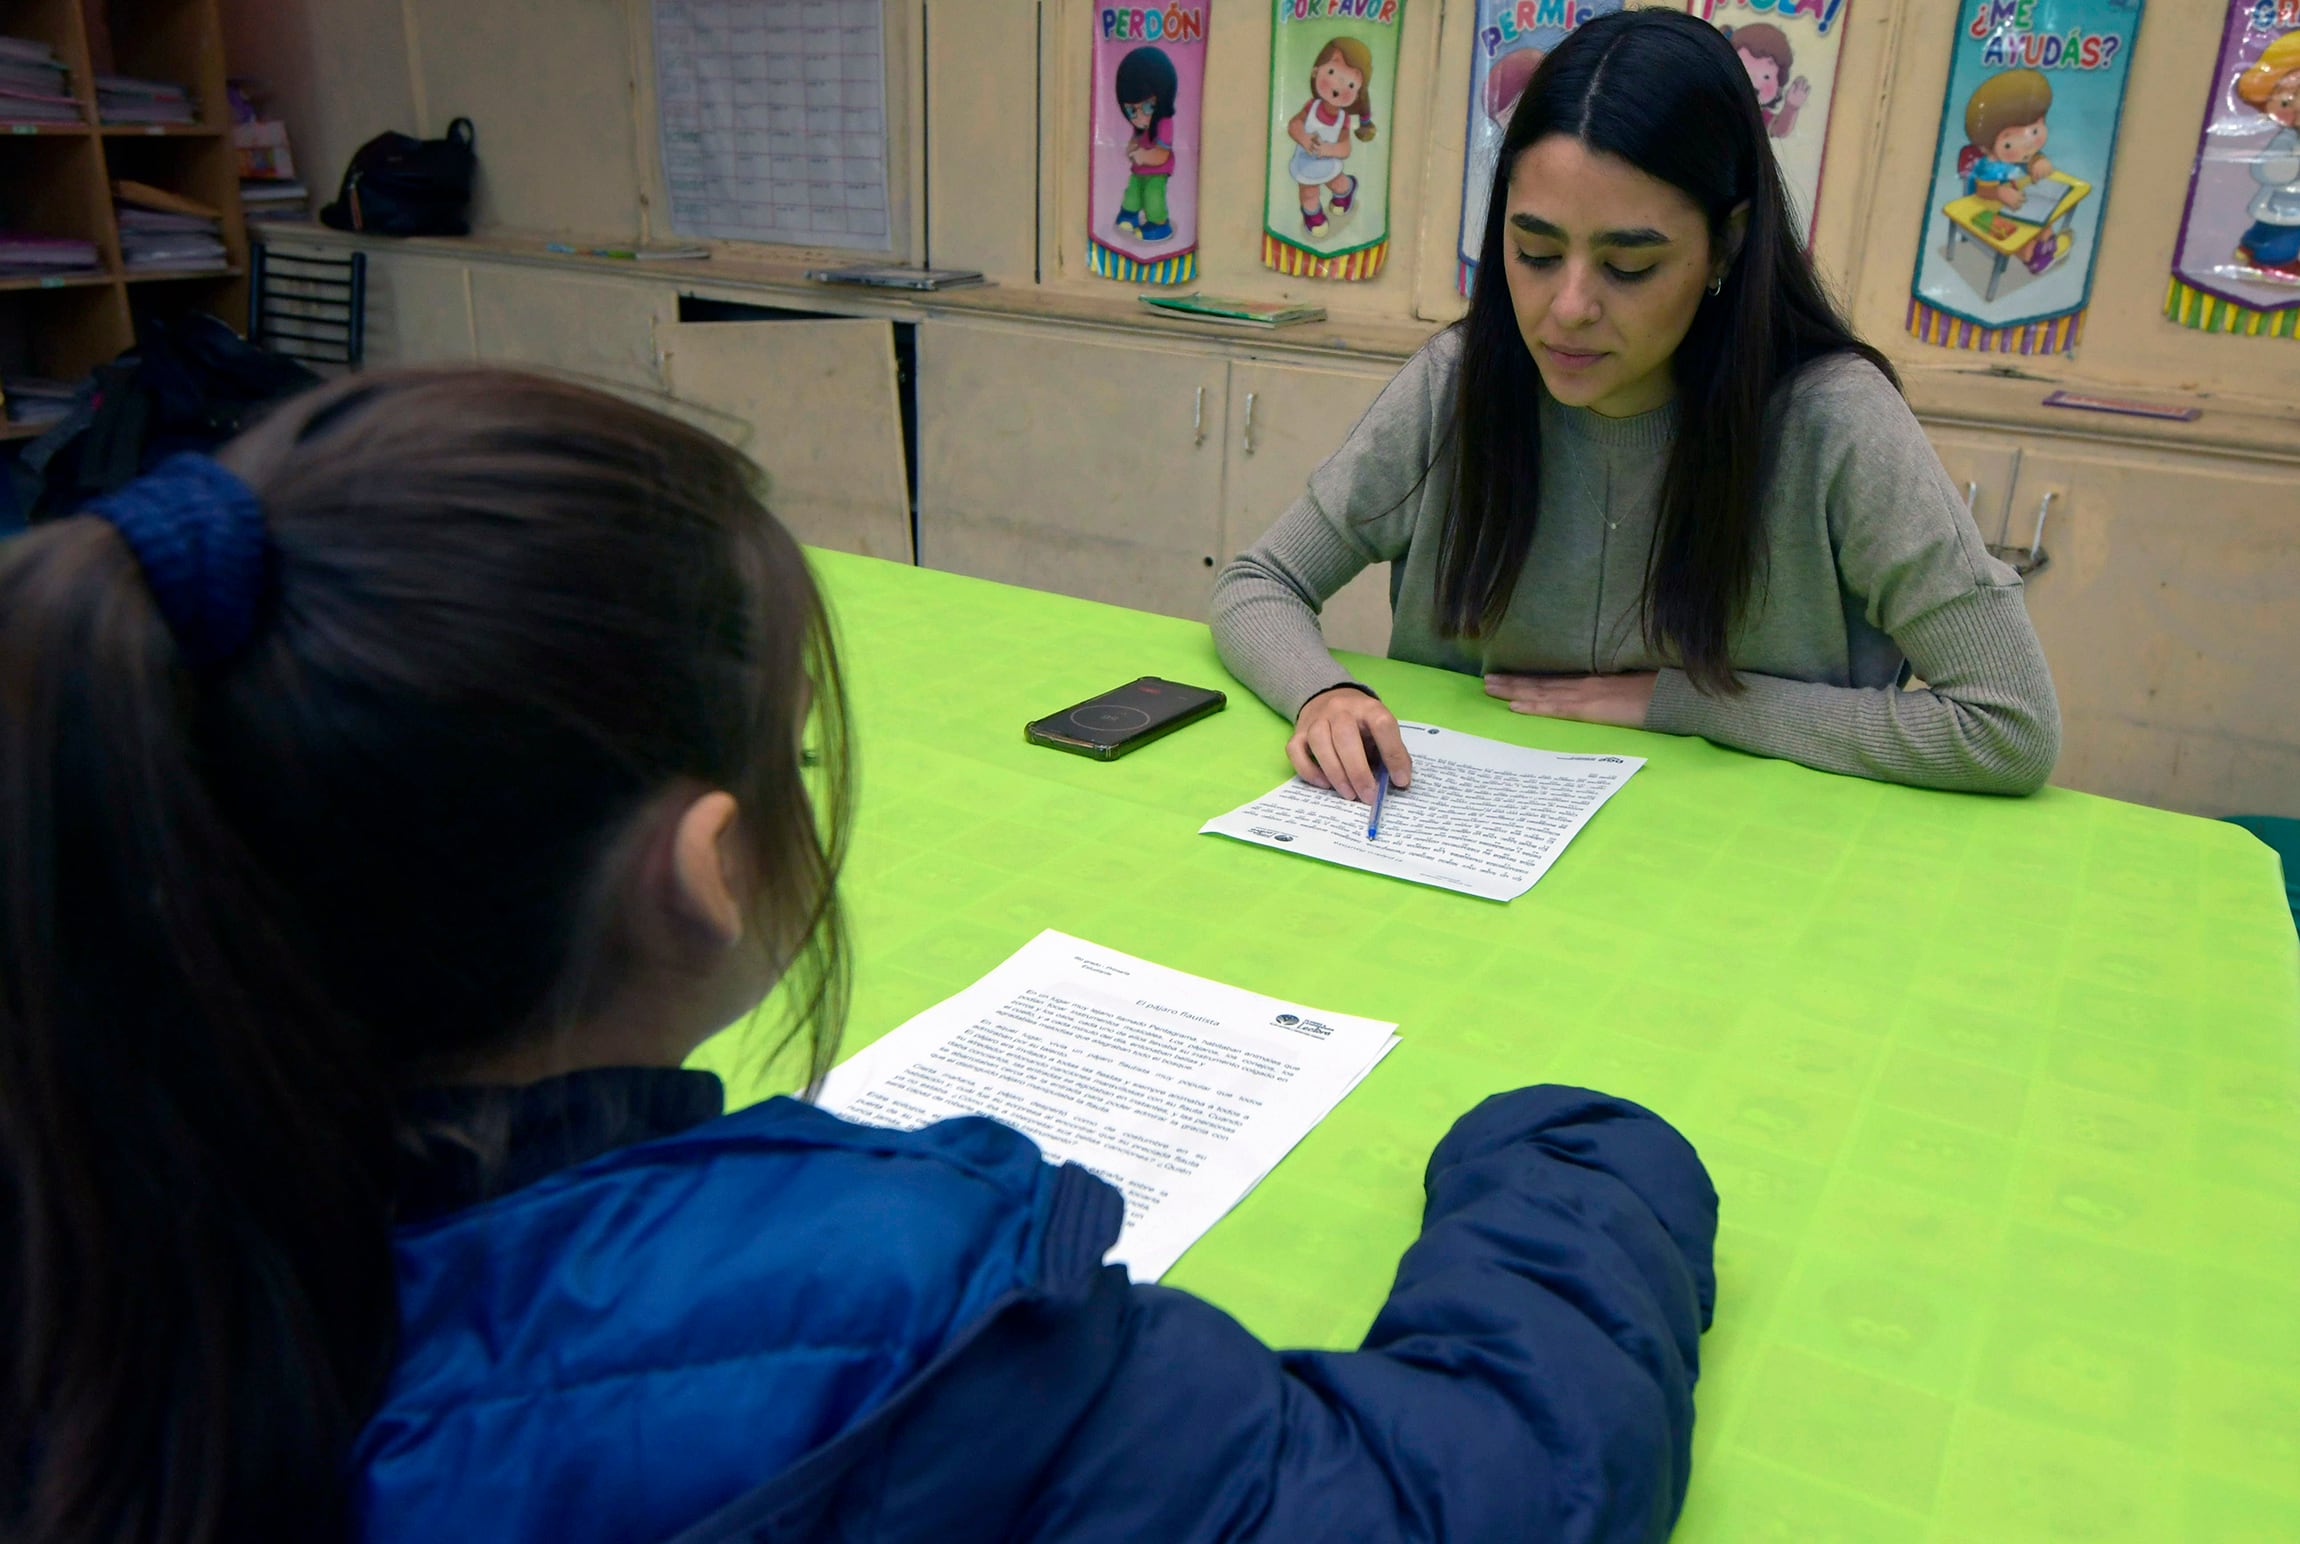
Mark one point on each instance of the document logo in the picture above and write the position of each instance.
(1313, 1027)
(1273, 835)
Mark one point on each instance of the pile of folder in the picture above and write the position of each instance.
(163, 230)
(33, 399)
(34, 86)
(24, 256)
(270, 198)
(124, 99)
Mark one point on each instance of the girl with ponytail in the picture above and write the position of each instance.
(387, 809)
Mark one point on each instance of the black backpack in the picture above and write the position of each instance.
(188, 384)
(399, 186)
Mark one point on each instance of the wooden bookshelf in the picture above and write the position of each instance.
(56, 180)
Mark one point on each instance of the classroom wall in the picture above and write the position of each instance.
(562, 93)
(2168, 607)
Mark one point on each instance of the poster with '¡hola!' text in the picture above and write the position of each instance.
(1790, 49)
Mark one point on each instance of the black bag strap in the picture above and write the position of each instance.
(461, 134)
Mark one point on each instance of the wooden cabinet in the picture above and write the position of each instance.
(1071, 464)
(602, 330)
(2170, 612)
(418, 309)
(1191, 457)
(2166, 610)
(1285, 420)
(815, 403)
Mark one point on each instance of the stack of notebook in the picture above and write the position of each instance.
(123, 99)
(35, 400)
(268, 198)
(34, 87)
(26, 257)
(159, 229)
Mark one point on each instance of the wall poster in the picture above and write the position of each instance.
(1790, 49)
(1142, 157)
(1333, 65)
(2021, 173)
(2236, 265)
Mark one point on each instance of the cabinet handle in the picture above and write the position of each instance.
(2036, 537)
(1198, 419)
(1972, 495)
(1249, 446)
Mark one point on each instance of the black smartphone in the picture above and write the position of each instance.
(1108, 726)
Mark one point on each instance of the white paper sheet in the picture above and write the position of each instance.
(1180, 1091)
(1481, 817)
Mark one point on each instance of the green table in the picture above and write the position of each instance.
(2002, 1097)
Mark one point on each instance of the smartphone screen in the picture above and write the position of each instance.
(1116, 722)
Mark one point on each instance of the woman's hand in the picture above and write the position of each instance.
(1594, 699)
(1339, 737)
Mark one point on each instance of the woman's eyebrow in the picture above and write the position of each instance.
(1640, 236)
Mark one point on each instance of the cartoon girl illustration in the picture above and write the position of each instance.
(1766, 55)
(1508, 76)
(2272, 242)
(2004, 149)
(1145, 87)
(1341, 88)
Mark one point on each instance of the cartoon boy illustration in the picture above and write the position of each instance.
(1145, 87)
(2272, 242)
(1341, 82)
(1766, 55)
(2004, 150)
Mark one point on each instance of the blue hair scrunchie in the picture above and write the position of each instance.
(198, 533)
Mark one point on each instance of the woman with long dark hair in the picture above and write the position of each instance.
(388, 807)
(1651, 478)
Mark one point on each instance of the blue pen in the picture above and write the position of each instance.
(1381, 791)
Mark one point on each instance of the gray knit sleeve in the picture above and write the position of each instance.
(1360, 508)
(1985, 719)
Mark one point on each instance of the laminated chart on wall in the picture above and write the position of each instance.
(2020, 174)
(2236, 266)
(1790, 49)
(773, 120)
(1142, 171)
(1513, 37)
(1333, 69)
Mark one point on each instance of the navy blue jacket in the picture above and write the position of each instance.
(777, 1325)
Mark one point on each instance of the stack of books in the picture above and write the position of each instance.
(163, 230)
(34, 87)
(272, 199)
(33, 399)
(124, 99)
(43, 257)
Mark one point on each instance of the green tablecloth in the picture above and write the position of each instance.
(2002, 1097)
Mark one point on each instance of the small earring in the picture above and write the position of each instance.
(1717, 285)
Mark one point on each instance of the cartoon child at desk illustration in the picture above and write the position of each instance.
(2014, 203)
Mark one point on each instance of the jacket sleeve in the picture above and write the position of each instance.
(1530, 1377)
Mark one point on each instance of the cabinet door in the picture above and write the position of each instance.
(1285, 420)
(418, 308)
(816, 405)
(599, 329)
(1089, 468)
(2167, 612)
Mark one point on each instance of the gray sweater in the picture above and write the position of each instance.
(1872, 560)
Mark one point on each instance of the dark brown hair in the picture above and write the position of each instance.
(1766, 41)
(1666, 93)
(241, 907)
(2006, 100)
